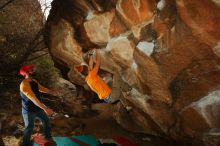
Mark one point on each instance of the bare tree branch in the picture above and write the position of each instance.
(34, 58)
(7, 3)
(45, 9)
(37, 44)
(29, 50)
(43, 49)
(33, 46)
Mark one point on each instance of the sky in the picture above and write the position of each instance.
(45, 6)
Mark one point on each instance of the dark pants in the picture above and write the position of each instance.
(107, 99)
(29, 125)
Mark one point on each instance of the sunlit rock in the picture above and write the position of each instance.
(166, 50)
(135, 11)
(103, 27)
(122, 50)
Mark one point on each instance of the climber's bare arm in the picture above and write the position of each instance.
(98, 60)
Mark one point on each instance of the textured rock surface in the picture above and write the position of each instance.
(19, 25)
(107, 25)
(134, 11)
(168, 52)
(205, 110)
(64, 47)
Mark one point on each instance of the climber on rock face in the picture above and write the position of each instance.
(32, 107)
(97, 84)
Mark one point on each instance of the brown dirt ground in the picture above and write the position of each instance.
(89, 119)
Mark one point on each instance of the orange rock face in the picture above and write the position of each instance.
(174, 79)
(134, 11)
(202, 18)
(107, 26)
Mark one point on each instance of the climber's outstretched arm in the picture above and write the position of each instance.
(98, 60)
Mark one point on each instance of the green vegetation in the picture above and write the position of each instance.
(46, 73)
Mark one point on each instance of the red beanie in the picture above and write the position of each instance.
(23, 70)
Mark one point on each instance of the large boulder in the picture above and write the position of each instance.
(168, 56)
(20, 28)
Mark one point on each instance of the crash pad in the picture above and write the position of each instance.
(66, 141)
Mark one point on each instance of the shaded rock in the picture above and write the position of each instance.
(159, 112)
(67, 88)
(149, 72)
(3, 39)
(211, 139)
(125, 119)
(129, 76)
(101, 5)
(63, 45)
(1, 141)
(67, 126)
(144, 31)
(195, 82)
(134, 120)
(203, 22)
(163, 36)
(164, 24)
(73, 11)
(203, 114)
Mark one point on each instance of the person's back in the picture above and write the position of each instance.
(29, 86)
(97, 84)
